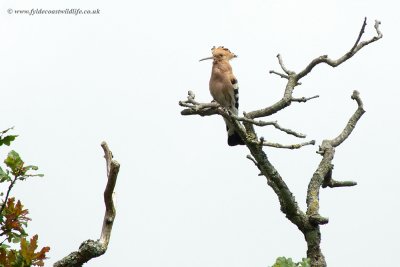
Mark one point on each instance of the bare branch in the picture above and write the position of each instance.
(323, 174)
(359, 35)
(378, 31)
(294, 146)
(318, 219)
(304, 99)
(283, 76)
(352, 122)
(330, 182)
(196, 108)
(334, 63)
(288, 72)
(107, 155)
(255, 162)
(207, 109)
(268, 123)
(109, 215)
(252, 159)
(90, 249)
(199, 106)
(284, 102)
(333, 183)
(289, 131)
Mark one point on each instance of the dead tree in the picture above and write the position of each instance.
(90, 249)
(309, 221)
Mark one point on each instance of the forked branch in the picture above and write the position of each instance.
(323, 175)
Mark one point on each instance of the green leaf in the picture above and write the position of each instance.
(16, 240)
(7, 140)
(30, 167)
(4, 176)
(305, 262)
(14, 162)
(4, 246)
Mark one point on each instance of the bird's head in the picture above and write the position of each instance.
(220, 53)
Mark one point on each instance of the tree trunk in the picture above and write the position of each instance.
(313, 238)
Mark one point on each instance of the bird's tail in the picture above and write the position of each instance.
(234, 138)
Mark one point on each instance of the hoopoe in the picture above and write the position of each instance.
(224, 88)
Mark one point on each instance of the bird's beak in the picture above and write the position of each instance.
(206, 58)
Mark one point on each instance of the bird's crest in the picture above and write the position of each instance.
(220, 53)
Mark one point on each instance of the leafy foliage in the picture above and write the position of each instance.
(25, 256)
(13, 220)
(288, 262)
(16, 165)
(13, 217)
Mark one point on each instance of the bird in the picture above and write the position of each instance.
(224, 88)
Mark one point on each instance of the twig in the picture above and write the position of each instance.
(8, 194)
(333, 183)
(196, 108)
(108, 156)
(359, 35)
(330, 182)
(293, 146)
(284, 76)
(90, 249)
(252, 159)
(288, 72)
(268, 123)
(3, 241)
(352, 121)
(303, 99)
(318, 219)
(255, 163)
(289, 131)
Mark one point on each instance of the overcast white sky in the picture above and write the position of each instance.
(184, 198)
